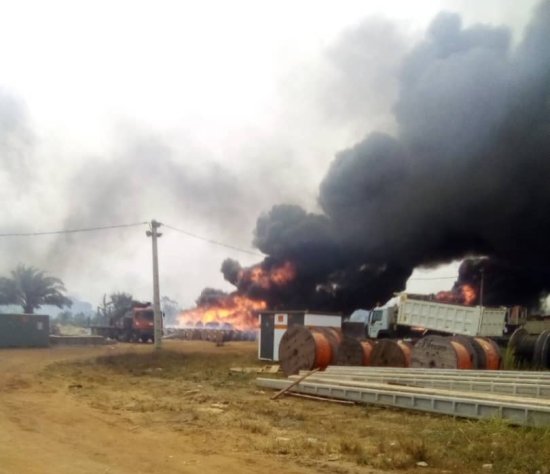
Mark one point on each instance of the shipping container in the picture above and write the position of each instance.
(24, 330)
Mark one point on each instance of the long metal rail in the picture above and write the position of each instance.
(459, 375)
(514, 412)
(535, 375)
(533, 390)
(443, 377)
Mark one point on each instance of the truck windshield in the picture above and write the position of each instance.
(359, 316)
(377, 315)
(145, 315)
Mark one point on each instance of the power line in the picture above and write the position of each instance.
(118, 226)
(435, 278)
(71, 231)
(215, 242)
(189, 234)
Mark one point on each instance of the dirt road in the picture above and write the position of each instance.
(128, 409)
(44, 429)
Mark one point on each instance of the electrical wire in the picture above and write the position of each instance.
(434, 278)
(215, 242)
(72, 231)
(189, 234)
(118, 226)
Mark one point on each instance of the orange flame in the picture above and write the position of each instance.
(469, 294)
(263, 278)
(464, 294)
(236, 310)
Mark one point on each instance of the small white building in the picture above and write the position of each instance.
(273, 325)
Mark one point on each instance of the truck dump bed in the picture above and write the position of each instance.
(451, 318)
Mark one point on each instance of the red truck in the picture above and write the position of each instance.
(136, 324)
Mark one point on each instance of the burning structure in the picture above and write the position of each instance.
(465, 174)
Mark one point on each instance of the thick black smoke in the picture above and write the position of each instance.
(467, 173)
(504, 282)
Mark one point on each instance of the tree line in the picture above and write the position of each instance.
(31, 288)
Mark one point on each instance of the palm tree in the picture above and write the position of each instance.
(31, 288)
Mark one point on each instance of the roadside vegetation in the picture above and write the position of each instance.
(189, 388)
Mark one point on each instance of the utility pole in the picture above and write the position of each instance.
(154, 234)
(481, 288)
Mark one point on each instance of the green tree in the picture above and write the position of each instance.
(65, 317)
(31, 288)
(114, 307)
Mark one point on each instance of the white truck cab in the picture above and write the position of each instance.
(379, 322)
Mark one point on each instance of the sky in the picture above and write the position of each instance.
(201, 115)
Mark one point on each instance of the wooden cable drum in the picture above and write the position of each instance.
(333, 336)
(351, 351)
(303, 348)
(368, 347)
(441, 353)
(541, 353)
(477, 354)
(493, 359)
(523, 345)
(390, 353)
(406, 347)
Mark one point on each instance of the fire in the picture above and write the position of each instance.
(234, 309)
(464, 294)
(267, 278)
(469, 294)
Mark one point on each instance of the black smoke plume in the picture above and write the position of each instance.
(467, 173)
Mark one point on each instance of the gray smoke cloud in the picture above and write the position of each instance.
(458, 91)
(466, 173)
(361, 78)
(16, 142)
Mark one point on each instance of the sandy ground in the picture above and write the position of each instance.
(126, 409)
(46, 428)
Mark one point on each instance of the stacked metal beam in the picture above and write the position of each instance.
(521, 398)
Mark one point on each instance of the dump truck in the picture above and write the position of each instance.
(416, 315)
(135, 324)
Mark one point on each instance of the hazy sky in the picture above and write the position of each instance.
(201, 115)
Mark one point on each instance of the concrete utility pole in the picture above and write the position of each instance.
(156, 292)
(481, 288)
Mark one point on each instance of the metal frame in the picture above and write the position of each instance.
(519, 388)
(513, 412)
(483, 374)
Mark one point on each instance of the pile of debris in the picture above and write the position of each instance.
(212, 334)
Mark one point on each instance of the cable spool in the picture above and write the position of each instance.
(389, 353)
(304, 348)
(333, 336)
(406, 348)
(477, 354)
(531, 349)
(492, 356)
(368, 347)
(354, 352)
(541, 354)
(441, 353)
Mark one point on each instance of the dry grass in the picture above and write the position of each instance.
(196, 393)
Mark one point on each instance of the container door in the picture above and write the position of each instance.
(266, 336)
